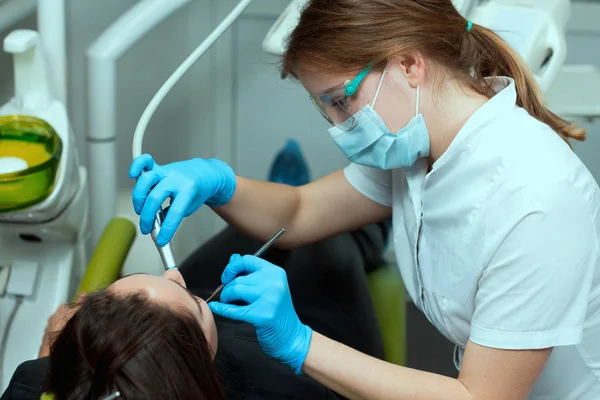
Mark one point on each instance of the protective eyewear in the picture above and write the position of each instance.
(334, 105)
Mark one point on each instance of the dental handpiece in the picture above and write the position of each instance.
(166, 252)
(258, 253)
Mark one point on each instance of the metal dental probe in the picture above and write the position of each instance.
(258, 253)
(166, 252)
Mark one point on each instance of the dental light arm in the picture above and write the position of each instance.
(166, 252)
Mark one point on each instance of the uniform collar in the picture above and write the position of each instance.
(502, 102)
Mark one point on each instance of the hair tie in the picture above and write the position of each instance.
(469, 25)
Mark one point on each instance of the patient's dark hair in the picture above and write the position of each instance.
(143, 349)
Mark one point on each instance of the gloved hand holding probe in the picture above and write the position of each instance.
(264, 287)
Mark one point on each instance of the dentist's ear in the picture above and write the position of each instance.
(412, 68)
(175, 276)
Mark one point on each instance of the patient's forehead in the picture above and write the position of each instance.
(158, 288)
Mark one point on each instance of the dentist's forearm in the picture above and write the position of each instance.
(357, 376)
(260, 209)
(309, 213)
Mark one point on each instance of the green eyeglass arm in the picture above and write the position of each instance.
(351, 88)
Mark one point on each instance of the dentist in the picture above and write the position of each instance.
(496, 221)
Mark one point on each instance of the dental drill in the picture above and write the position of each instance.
(166, 252)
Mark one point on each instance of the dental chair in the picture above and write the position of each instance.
(389, 301)
(109, 256)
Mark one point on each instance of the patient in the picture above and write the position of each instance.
(151, 337)
(141, 338)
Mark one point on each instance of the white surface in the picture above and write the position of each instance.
(484, 258)
(21, 41)
(103, 172)
(276, 38)
(32, 94)
(54, 287)
(22, 279)
(9, 165)
(7, 85)
(532, 32)
(576, 92)
(560, 10)
(52, 28)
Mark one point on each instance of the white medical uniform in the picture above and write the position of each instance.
(499, 243)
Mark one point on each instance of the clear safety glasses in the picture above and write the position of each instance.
(334, 105)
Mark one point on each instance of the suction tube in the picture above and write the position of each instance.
(158, 98)
(166, 252)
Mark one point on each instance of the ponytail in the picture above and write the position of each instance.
(497, 58)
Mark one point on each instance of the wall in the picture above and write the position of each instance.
(257, 111)
(269, 110)
(583, 42)
(86, 20)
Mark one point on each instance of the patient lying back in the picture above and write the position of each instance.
(146, 337)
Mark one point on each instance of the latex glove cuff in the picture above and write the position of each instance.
(226, 187)
(300, 348)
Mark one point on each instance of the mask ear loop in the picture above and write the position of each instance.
(417, 105)
(379, 87)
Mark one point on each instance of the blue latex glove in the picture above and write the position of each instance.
(189, 184)
(264, 287)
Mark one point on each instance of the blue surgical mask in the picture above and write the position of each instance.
(370, 143)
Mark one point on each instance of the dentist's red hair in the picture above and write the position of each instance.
(343, 36)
